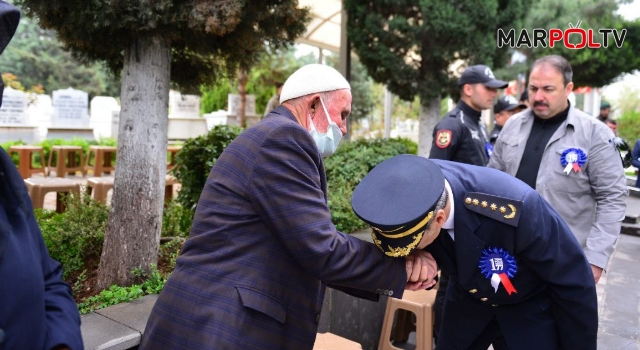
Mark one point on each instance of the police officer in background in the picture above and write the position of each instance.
(518, 277)
(506, 106)
(460, 136)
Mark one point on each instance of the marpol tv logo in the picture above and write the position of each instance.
(574, 38)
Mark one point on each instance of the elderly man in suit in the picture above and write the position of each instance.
(262, 248)
(518, 277)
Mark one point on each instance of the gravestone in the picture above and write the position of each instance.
(70, 115)
(14, 120)
(183, 106)
(102, 108)
(215, 118)
(40, 111)
(184, 117)
(14, 107)
(234, 102)
(234, 105)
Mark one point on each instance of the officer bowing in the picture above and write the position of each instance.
(518, 277)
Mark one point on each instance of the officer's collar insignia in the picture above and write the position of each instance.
(498, 265)
(573, 158)
(398, 235)
(498, 208)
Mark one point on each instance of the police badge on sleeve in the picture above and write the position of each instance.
(443, 138)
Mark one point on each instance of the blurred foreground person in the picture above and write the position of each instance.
(37, 310)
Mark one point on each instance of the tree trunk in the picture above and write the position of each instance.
(135, 220)
(429, 117)
(242, 90)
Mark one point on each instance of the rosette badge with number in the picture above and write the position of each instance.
(498, 266)
(573, 158)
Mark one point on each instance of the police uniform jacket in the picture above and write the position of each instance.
(554, 306)
(593, 200)
(37, 310)
(460, 137)
(262, 248)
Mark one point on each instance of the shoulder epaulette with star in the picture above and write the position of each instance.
(498, 208)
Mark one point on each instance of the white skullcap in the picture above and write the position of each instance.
(311, 79)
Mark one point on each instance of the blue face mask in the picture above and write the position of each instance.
(328, 142)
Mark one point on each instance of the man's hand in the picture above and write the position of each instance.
(597, 272)
(421, 270)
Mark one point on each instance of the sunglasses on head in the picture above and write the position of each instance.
(622, 146)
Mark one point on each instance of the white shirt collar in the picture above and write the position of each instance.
(448, 225)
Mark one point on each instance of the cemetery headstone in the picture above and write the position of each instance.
(70, 108)
(14, 107)
(234, 102)
(102, 108)
(183, 106)
(70, 115)
(14, 120)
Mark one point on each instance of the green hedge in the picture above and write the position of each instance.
(195, 160)
(629, 127)
(75, 236)
(346, 168)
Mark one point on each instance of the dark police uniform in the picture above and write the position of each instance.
(461, 137)
(543, 296)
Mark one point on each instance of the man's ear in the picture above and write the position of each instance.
(441, 217)
(312, 107)
(467, 90)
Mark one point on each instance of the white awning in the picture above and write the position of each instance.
(323, 30)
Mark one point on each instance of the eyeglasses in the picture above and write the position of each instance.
(622, 146)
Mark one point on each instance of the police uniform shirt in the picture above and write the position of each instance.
(461, 137)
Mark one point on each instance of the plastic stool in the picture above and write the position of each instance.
(101, 159)
(421, 304)
(100, 186)
(66, 160)
(25, 167)
(171, 154)
(330, 341)
(39, 187)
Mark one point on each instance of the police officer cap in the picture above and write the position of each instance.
(397, 199)
(507, 103)
(311, 79)
(481, 74)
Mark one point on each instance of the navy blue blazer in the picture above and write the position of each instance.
(37, 310)
(555, 304)
(262, 248)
